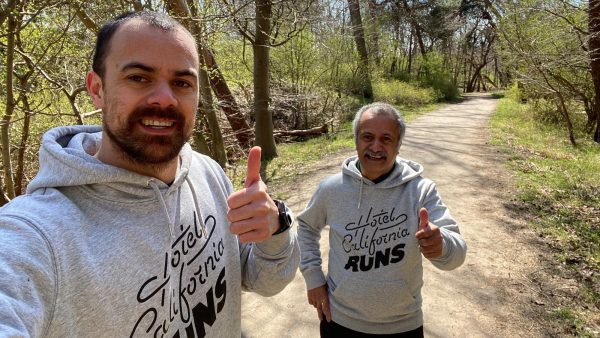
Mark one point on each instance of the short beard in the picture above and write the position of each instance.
(149, 150)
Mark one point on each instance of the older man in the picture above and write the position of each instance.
(127, 232)
(383, 217)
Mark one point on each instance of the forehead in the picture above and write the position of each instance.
(374, 122)
(138, 41)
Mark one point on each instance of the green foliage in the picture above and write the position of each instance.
(234, 57)
(541, 45)
(514, 93)
(434, 75)
(558, 185)
(404, 94)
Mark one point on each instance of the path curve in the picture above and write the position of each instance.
(489, 296)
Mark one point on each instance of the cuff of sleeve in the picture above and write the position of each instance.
(445, 245)
(276, 245)
(314, 278)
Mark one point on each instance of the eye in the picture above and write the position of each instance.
(137, 78)
(367, 137)
(182, 84)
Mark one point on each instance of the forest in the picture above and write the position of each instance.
(272, 70)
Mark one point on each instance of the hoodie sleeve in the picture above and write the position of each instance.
(267, 267)
(310, 224)
(454, 246)
(27, 280)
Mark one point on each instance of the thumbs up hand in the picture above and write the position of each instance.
(252, 212)
(429, 236)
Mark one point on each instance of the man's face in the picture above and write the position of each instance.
(149, 92)
(377, 144)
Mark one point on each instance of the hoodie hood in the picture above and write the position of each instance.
(404, 171)
(66, 159)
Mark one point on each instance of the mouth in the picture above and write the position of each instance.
(157, 124)
(375, 157)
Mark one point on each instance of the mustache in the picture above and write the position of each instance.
(376, 153)
(157, 112)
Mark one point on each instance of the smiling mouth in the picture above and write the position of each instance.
(375, 157)
(157, 123)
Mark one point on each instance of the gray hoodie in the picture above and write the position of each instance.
(93, 250)
(375, 272)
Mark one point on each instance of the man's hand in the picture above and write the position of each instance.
(430, 239)
(319, 298)
(252, 212)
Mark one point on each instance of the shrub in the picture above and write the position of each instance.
(403, 94)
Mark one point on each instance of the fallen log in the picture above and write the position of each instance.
(316, 131)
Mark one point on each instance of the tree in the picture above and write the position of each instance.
(594, 51)
(359, 38)
(263, 129)
(549, 48)
(270, 24)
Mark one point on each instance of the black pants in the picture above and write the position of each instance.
(334, 330)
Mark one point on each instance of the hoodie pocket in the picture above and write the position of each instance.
(374, 301)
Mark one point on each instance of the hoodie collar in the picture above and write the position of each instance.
(65, 160)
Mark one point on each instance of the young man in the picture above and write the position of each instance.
(126, 231)
(383, 216)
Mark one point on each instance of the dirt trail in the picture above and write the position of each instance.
(490, 295)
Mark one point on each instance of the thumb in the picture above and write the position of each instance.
(253, 171)
(423, 219)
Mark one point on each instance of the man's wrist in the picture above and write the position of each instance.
(284, 217)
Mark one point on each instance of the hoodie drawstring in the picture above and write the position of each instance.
(199, 214)
(163, 204)
(362, 182)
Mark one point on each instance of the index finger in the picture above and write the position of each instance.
(253, 168)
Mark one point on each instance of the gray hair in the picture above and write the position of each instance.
(380, 108)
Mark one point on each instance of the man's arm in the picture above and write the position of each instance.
(269, 262)
(27, 280)
(437, 225)
(310, 224)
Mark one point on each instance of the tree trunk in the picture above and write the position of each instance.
(227, 103)
(594, 48)
(207, 107)
(9, 110)
(361, 46)
(22, 147)
(565, 113)
(263, 128)
(374, 31)
(410, 55)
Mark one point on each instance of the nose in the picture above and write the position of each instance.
(376, 146)
(162, 95)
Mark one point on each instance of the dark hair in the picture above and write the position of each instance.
(106, 32)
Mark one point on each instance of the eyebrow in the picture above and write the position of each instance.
(149, 69)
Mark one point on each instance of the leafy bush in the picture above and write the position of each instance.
(436, 76)
(403, 94)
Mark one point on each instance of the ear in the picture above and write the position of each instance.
(93, 82)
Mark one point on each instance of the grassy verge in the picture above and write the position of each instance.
(559, 189)
(295, 157)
